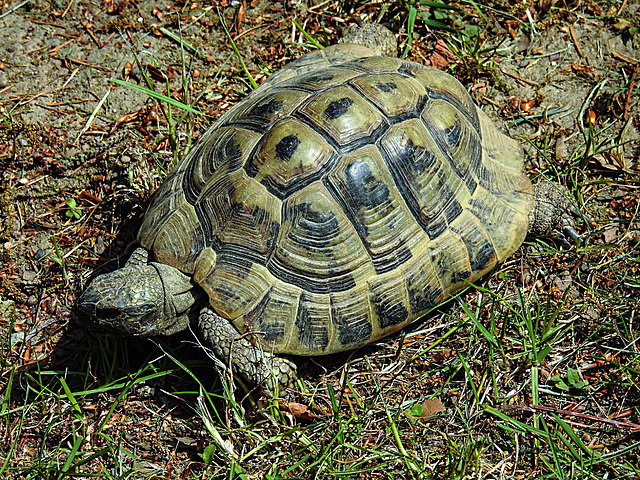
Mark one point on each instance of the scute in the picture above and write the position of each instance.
(342, 199)
(291, 155)
(343, 114)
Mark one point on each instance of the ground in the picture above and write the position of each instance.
(532, 372)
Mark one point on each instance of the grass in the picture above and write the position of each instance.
(531, 373)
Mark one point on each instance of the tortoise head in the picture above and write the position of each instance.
(149, 299)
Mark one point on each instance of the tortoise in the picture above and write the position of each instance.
(338, 202)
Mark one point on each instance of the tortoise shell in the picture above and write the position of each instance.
(342, 199)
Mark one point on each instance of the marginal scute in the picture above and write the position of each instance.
(508, 226)
(272, 316)
(390, 301)
(451, 262)
(351, 314)
(424, 289)
(205, 264)
(478, 243)
(502, 165)
(312, 322)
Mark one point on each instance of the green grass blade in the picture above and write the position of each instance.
(159, 96)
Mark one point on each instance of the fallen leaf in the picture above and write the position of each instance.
(431, 407)
(442, 56)
(584, 71)
(527, 105)
(427, 410)
(299, 410)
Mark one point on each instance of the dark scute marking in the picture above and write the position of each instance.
(409, 69)
(471, 183)
(452, 210)
(267, 108)
(386, 87)
(225, 292)
(236, 259)
(435, 228)
(206, 237)
(315, 282)
(453, 134)
(361, 190)
(226, 151)
(390, 313)
(412, 158)
(423, 300)
(271, 331)
(338, 108)
(450, 139)
(392, 261)
(205, 226)
(363, 140)
(254, 217)
(482, 212)
(365, 189)
(313, 229)
(198, 241)
(312, 333)
(286, 147)
(406, 166)
(485, 254)
(459, 276)
(190, 189)
(351, 331)
(311, 79)
(475, 163)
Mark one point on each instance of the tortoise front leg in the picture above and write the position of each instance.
(251, 362)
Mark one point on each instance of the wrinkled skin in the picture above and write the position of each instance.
(552, 213)
(148, 298)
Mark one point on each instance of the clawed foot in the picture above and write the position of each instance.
(553, 214)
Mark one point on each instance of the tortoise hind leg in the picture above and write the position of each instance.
(251, 362)
(552, 213)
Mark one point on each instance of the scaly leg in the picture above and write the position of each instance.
(251, 362)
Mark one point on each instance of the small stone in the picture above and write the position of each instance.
(29, 276)
(99, 247)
